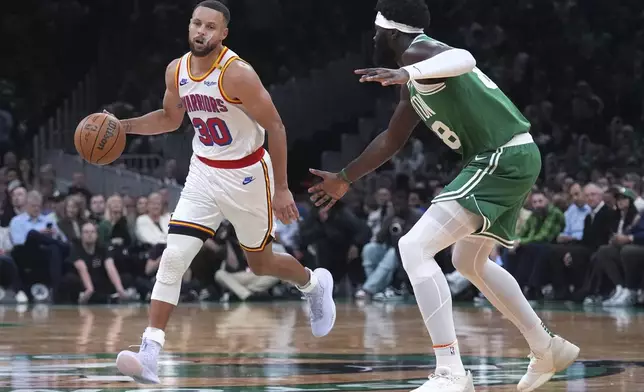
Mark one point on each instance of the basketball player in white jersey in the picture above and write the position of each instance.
(231, 177)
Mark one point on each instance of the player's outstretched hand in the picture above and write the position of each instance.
(329, 191)
(384, 76)
(284, 206)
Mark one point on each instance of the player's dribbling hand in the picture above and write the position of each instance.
(329, 191)
(384, 76)
(284, 206)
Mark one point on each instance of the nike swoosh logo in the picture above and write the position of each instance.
(248, 180)
(478, 158)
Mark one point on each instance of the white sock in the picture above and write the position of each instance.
(435, 304)
(311, 285)
(155, 334)
(449, 355)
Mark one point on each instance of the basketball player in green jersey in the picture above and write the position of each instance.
(442, 87)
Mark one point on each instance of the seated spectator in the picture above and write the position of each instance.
(567, 262)
(543, 226)
(113, 230)
(334, 238)
(14, 205)
(381, 258)
(79, 187)
(96, 208)
(97, 277)
(234, 273)
(9, 273)
(72, 220)
(26, 173)
(624, 251)
(37, 242)
(633, 182)
(152, 227)
(383, 210)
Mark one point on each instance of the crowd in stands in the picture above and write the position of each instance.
(581, 238)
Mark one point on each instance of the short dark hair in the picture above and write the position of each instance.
(217, 6)
(410, 12)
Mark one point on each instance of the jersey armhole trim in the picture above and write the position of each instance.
(177, 71)
(214, 66)
(220, 82)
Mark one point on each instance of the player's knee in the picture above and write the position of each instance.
(465, 266)
(172, 266)
(177, 257)
(411, 250)
(260, 263)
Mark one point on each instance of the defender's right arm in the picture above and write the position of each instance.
(389, 142)
(163, 120)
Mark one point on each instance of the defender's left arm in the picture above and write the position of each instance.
(425, 60)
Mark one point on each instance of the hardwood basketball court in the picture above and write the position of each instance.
(269, 347)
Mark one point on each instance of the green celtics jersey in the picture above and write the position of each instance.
(469, 113)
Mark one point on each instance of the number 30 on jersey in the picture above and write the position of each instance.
(213, 131)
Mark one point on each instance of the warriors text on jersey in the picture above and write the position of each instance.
(469, 113)
(223, 129)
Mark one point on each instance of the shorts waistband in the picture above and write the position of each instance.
(246, 161)
(520, 139)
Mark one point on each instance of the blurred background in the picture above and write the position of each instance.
(573, 67)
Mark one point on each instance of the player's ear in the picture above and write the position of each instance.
(224, 34)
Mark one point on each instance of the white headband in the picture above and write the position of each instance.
(385, 23)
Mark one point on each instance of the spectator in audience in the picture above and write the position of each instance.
(113, 230)
(234, 274)
(633, 182)
(152, 227)
(79, 187)
(287, 235)
(383, 210)
(73, 221)
(334, 237)
(98, 277)
(14, 205)
(26, 173)
(624, 250)
(567, 262)
(169, 175)
(381, 258)
(543, 226)
(97, 208)
(39, 241)
(10, 160)
(141, 206)
(9, 273)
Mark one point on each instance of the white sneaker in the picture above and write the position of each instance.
(141, 366)
(612, 298)
(559, 356)
(321, 304)
(626, 298)
(444, 381)
(21, 297)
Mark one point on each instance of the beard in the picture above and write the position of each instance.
(541, 212)
(203, 52)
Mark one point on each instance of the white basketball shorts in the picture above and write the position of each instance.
(239, 191)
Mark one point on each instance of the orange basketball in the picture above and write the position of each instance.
(99, 139)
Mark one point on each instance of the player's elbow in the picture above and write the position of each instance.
(469, 62)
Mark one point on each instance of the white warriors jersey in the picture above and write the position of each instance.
(223, 129)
